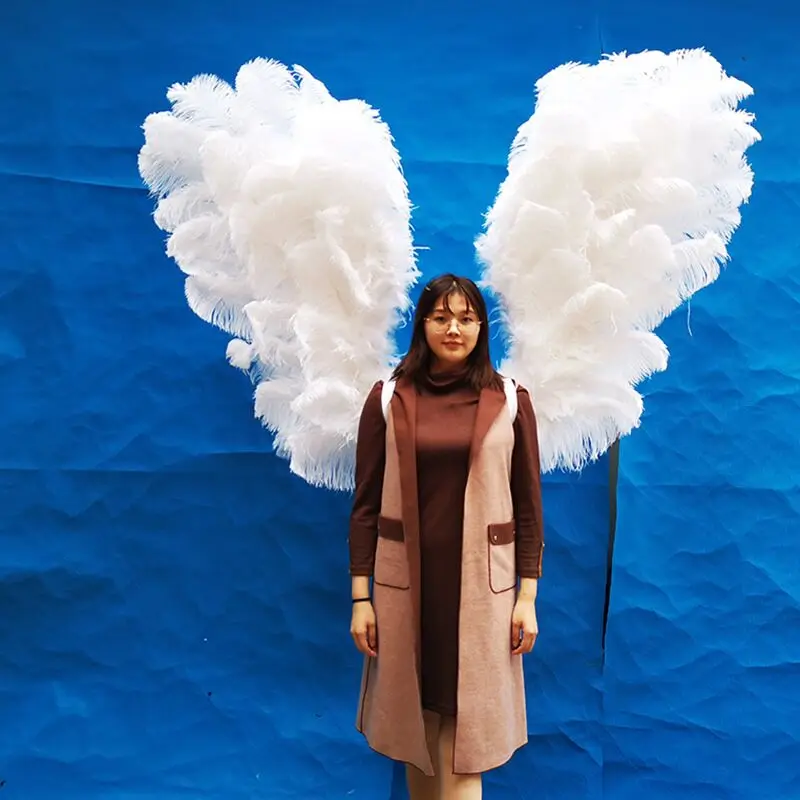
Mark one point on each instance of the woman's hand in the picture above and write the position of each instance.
(524, 627)
(364, 629)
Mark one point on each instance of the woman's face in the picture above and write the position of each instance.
(451, 333)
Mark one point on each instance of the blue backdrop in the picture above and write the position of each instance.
(174, 605)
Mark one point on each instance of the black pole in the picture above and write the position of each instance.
(613, 479)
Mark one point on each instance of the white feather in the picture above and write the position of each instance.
(623, 190)
(289, 214)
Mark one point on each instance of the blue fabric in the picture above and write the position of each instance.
(174, 604)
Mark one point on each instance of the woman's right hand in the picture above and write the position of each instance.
(364, 629)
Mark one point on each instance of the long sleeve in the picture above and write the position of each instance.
(370, 460)
(526, 490)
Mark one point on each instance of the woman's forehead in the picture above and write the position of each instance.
(454, 301)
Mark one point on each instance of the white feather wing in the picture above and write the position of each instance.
(288, 212)
(623, 190)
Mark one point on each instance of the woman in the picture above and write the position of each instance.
(447, 522)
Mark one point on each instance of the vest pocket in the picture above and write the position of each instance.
(502, 557)
(391, 559)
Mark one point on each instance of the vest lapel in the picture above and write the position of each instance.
(404, 417)
(490, 404)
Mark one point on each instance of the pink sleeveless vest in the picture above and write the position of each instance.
(491, 720)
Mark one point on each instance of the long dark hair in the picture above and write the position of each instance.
(481, 374)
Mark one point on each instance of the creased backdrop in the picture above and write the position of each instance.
(174, 605)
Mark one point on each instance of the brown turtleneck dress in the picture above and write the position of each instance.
(446, 411)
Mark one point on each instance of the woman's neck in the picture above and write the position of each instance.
(443, 369)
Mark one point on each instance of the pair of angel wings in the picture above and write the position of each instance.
(288, 211)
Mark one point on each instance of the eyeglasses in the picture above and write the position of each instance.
(440, 323)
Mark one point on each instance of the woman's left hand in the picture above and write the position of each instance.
(524, 627)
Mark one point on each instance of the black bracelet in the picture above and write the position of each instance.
(362, 600)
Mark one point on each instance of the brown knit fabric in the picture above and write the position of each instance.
(446, 411)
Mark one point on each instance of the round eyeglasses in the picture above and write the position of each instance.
(440, 323)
